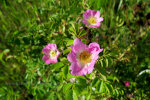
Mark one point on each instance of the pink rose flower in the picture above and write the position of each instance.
(51, 53)
(126, 83)
(92, 18)
(83, 57)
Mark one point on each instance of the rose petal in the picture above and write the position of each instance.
(100, 19)
(46, 50)
(52, 46)
(76, 69)
(46, 59)
(72, 57)
(96, 14)
(78, 46)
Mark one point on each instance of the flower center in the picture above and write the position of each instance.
(85, 57)
(52, 54)
(92, 20)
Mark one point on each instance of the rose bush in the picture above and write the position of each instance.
(74, 49)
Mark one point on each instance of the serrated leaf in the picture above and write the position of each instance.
(101, 88)
(75, 96)
(82, 33)
(59, 96)
(109, 88)
(78, 89)
(101, 10)
(110, 61)
(72, 31)
(59, 87)
(94, 81)
(65, 71)
(67, 87)
(106, 61)
(69, 95)
(39, 73)
(69, 42)
(121, 1)
(1, 58)
(102, 71)
(67, 51)
(1, 55)
(88, 97)
(81, 81)
(103, 63)
(116, 92)
(57, 66)
(70, 76)
(6, 51)
(51, 97)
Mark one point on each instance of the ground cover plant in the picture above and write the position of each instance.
(74, 49)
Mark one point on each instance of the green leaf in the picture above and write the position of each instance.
(101, 88)
(110, 78)
(69, 42)
(101, 10)
(81, 81)
(110, 62)
(70, 76)
(82, 33)
(109, 88)
(65, 71)
(103, 63)
(39, 73)
(59, 87)
(51, 96)
(78, 89)
(69, 95)
(75, 96)
(116, 92)
(94, 81)
(1, 58)
(67, 87)
(67, 51)
(72, 31)
(3, 91)
(6, 51)
(59, 96)
(3, 53)
(121, 1)
(88, 97)
(101, 70)
(57, 66)
(106, 61)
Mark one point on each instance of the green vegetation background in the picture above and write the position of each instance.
(26, 26)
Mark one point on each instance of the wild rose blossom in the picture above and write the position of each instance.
(51, 53)
(83, 57)
(126, 83)
(92, 18)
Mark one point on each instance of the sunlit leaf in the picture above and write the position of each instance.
(57, 66)
(67, 87)
(65, 71)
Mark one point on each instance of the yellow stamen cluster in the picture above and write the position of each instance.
(92, 20)
(85, 57)
(52, 53)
